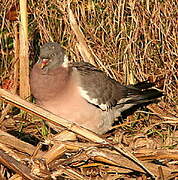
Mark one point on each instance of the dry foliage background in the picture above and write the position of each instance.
(131, 40)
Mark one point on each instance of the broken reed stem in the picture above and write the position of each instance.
(82, 46)
(24, 60)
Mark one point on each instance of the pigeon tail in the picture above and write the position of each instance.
(147, 96)
(142, 93)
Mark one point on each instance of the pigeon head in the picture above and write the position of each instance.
(51, 56)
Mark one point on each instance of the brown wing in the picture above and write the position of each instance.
(97, 88)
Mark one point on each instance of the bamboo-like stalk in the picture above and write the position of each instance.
(24, 61)
(82, 46)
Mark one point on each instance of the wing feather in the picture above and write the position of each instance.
(98, 88)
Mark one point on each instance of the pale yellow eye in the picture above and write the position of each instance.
(52, 55)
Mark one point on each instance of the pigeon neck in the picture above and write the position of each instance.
(48, 84)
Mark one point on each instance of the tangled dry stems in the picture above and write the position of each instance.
(130, 40)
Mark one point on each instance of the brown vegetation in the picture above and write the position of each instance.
(131, 41)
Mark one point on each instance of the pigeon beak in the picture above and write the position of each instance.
(43, 63)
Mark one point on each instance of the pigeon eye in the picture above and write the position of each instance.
(52, 55)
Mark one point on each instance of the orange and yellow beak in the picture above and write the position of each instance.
(43, 63)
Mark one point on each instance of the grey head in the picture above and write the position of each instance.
(51, 56)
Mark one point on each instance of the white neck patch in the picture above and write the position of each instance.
(66, 61)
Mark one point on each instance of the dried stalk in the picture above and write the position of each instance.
(24, 60)
(82, 46)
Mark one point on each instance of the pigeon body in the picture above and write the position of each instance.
(79, 92)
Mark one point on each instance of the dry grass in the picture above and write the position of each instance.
(130, 40)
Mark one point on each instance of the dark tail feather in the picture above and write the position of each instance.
(148, 95)
(143, 94)
(141, 85)
(139, 94)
